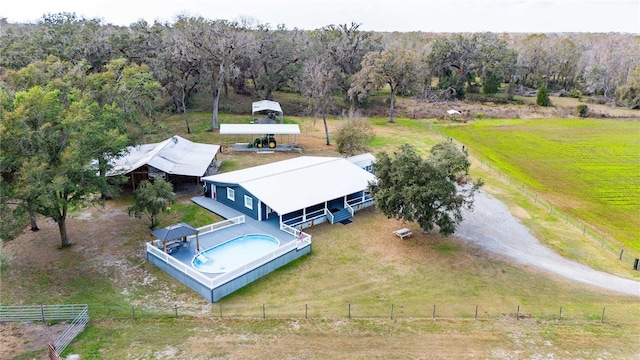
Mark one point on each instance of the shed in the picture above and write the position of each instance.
(175, 159)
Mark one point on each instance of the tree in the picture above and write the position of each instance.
(152, 200)
(50, 163)
(121, 97)
(317, 84)
(542, 98)
(629, 94)
(354, 136)
(396, 68)
(179, 67)
(345, 47)
(410, 188)
(280, 57)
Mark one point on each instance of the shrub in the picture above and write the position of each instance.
(582, 110)
(575, 93)
(491, 85)
(543, 96)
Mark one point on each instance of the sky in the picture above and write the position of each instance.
(524, 16)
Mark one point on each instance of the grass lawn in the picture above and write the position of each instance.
(588, 168)
(360, 267)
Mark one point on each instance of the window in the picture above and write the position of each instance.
(231, 194)
(248, 202)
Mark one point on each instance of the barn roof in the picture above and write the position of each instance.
(255, 129)
(293, 184)
(175, 155)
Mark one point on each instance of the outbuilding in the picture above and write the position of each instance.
(266, 111)
(256, 137)
(176, 160)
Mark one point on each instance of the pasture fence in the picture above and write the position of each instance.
(613, 313)
(587, 231)
(78, 314)
(611, 246)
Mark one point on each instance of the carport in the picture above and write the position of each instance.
(241, 137)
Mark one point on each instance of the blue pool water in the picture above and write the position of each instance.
(234, 253)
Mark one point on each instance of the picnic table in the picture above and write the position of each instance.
(403, 233)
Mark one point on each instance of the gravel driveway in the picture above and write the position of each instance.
(492, 227)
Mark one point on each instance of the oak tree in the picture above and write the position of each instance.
(410, 188)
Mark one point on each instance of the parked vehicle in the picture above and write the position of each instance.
(267, 141)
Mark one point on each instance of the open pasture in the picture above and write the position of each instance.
(589, 168)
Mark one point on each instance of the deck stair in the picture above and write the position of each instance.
(340, 215)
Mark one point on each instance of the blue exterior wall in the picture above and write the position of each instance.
(357, 195)
(257, 273)
(219, 292)
(192, 284)
(336, 203)
(238, 203)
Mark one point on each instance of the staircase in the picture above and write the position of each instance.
(340, 215)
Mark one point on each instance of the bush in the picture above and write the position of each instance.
(575, 93)
(543, 96)
(491, 85)
(582, 110)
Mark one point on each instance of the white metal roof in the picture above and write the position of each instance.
(362, 160)
(175, 155)
(265, 105)
(255, 129)
(293, 184)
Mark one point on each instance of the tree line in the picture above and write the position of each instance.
(195, 54)
(75, 92)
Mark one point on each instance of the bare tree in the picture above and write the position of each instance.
(317, 85)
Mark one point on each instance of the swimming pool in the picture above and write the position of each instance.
(234, 253)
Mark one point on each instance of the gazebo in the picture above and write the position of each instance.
(174, 236)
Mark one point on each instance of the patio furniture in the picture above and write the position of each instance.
(403, 233)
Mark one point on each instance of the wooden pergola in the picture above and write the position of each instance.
(175, 234)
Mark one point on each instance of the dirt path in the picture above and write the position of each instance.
(492, 227)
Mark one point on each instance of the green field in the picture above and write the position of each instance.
(588, 168)
(361, 268)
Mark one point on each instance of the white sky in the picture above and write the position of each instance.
(377, 15)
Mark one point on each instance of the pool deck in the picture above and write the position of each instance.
(251, 226)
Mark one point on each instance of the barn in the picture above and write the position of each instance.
(298, 192)
(176, 160)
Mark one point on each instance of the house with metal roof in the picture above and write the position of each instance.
(176, 160)
(298, 192)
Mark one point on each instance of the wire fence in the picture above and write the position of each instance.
(576, 313)
(612, 246)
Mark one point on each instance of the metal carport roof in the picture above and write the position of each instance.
(255, 129)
